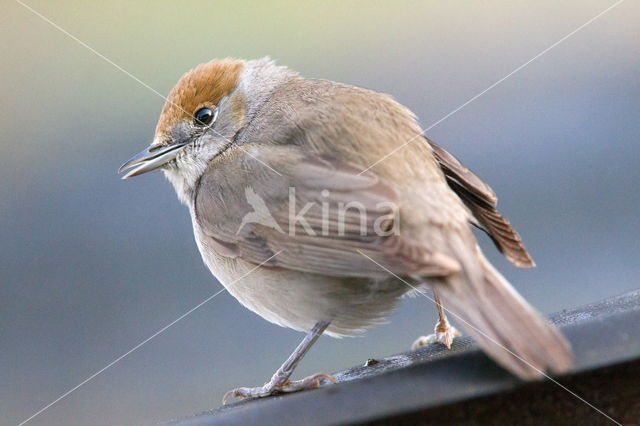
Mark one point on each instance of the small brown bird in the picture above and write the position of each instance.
(291, 218)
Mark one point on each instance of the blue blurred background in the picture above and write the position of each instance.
(91, 265)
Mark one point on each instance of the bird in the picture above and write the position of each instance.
(319, 205)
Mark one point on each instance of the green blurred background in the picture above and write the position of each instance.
(91, 265)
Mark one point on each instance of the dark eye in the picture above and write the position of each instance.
(204, 117)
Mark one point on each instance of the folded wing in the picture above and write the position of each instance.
(482, 201)
(319, 214)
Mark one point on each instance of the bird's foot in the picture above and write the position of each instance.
(271, 388)
(443, 334)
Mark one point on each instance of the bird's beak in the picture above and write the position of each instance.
(153, 157)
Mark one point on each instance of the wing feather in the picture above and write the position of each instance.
(319, 213)
(482, 202)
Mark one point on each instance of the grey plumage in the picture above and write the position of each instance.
(278, 131)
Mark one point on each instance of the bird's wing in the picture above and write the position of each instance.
(332, 216)
(482, 201)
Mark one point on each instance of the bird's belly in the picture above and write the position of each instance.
(298, 300)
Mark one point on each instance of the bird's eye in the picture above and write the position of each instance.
(204, 117)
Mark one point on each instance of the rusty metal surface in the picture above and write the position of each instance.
(463, 386)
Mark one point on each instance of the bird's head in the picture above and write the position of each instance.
(201, 117)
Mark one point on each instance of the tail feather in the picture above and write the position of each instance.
(505, 326)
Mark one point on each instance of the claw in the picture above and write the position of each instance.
(311, 382)
(234, 393)
(444, 336)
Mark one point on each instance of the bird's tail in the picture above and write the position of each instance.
(505, 326)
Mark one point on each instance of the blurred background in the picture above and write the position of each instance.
(90, 265)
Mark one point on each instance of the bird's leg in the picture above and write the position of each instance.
(280, 381)
(443, 332)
